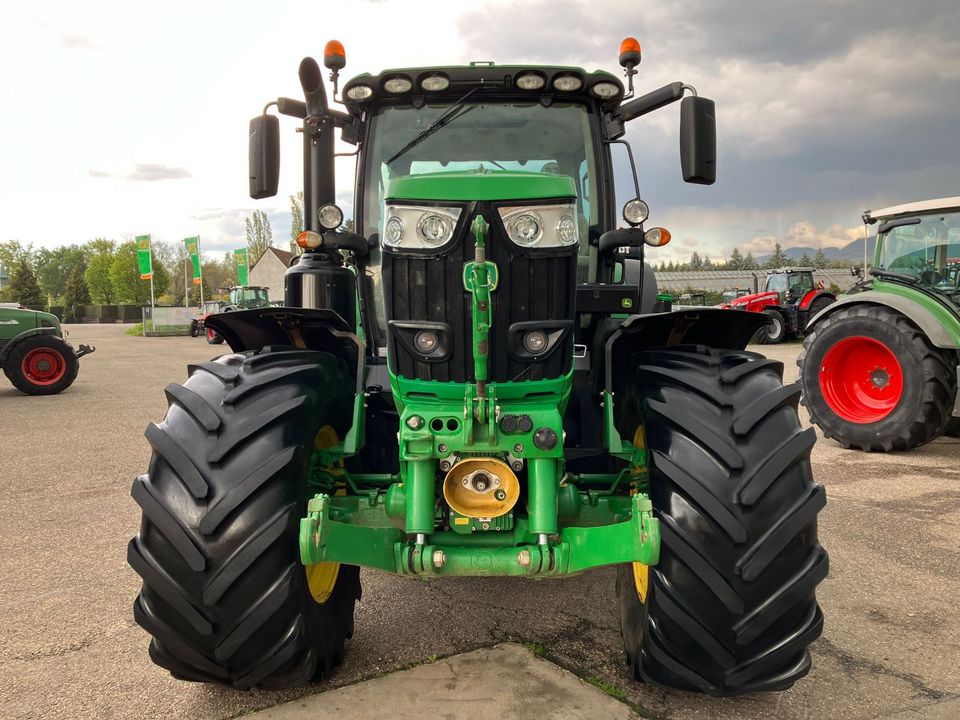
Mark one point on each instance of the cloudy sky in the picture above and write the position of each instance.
(125, 118)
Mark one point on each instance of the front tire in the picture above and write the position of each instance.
(224, 595)
(775, 331)
(731, 606)
(42, 365)
(213, 337)
(873, 381)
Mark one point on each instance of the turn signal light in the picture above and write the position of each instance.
(309, 240)
(334, 56)
(629, 52)
(656, 237)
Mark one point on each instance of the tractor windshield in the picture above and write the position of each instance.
(928, 250)
(516, 136)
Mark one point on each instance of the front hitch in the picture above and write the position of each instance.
(85, 350)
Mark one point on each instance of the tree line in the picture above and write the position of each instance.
(739, 261)
(105, 271)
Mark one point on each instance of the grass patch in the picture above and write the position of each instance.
(612, 690)
(135, 330)
(157, 330)
(536, 648)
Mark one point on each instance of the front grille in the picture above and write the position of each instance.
(533, 286)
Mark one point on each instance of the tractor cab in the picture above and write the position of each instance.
(790, 284)
(249, 297)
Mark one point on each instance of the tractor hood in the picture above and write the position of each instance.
(746, 302)
(481, 185)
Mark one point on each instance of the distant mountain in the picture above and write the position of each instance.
(851, 251)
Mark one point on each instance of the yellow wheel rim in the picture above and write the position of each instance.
(641, 578)
(321, 579)
(641, 572)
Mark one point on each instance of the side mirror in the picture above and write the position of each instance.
(264, 156)
(698, 140)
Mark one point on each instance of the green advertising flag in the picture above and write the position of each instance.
(241, 257)
(193, 249)
(144, 258)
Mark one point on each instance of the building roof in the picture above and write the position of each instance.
(914, 207)
(281, 255)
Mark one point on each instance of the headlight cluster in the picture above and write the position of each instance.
(419, 228)
(542, 226)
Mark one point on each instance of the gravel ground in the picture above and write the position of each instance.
(70, 648)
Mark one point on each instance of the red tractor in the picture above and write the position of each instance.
(790, 299)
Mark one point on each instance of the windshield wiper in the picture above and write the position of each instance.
(451, 114)
(886, 275)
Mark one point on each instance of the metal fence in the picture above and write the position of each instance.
(160, 321)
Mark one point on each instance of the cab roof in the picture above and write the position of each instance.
(947, 203)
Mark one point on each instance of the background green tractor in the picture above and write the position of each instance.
(33, 353)
(474, 383)
(242, 297)
(879, 367)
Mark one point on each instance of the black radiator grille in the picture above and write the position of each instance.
(533, 286)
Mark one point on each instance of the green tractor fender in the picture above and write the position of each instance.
(936, 322)
(16, 339)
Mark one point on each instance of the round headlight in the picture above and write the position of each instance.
(525, 229)
(359, 93)
(399, 84)
(636, 211)
(567, 83)
(435, 83)
(330, 216)
(393, 231)
(535, 342)
(434, 229)
(530, 81)
(426, 342)
(567, 230)
(605, 90)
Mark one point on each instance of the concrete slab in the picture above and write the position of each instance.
(505, 681)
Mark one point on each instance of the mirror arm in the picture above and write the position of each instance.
(653, 100)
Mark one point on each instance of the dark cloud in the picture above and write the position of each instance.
(832, 104)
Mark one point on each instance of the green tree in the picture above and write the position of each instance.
(750, 263)
(736, 260)
(696, 262)
(259, 235)
(97, 275)
(296, 215)
(54, 266)
(11, 252)
(778, 259)
(805, 261)
(75, 293)
(820, 259)
(24, 288)
(124, 275)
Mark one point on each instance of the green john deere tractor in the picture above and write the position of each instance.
(474, 383)
(34, 355)
(879, 367)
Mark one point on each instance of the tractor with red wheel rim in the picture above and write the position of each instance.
(879, 367)
(790, 299)
(242, 297)
(33, 353)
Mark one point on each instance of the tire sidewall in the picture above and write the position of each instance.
(911, 367)
(768, 335)
(16, 356)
